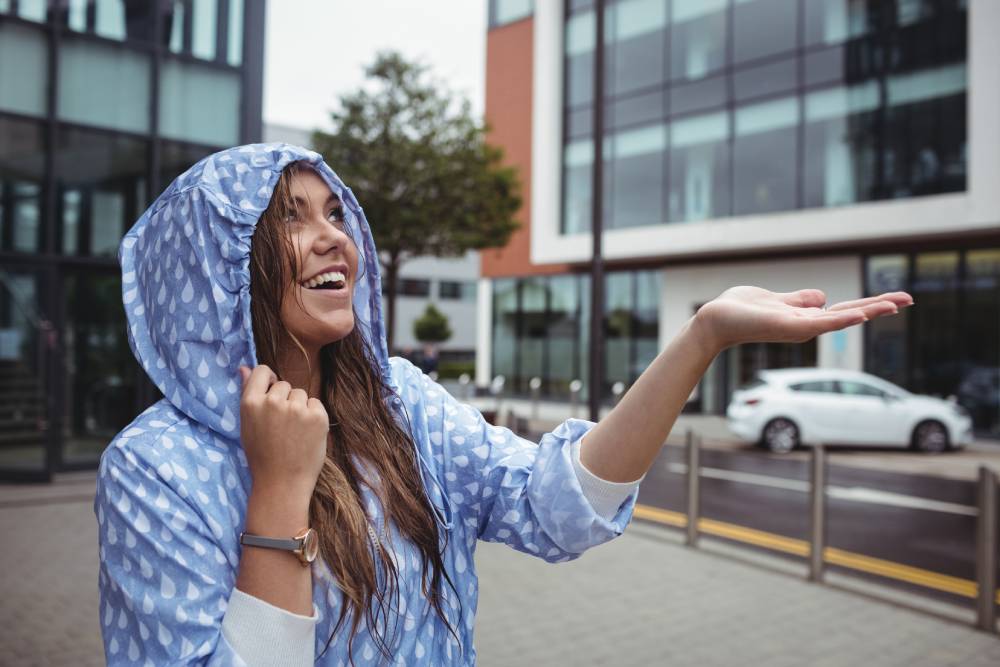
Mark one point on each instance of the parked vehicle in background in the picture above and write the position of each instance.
(979, 393)
(783, 409)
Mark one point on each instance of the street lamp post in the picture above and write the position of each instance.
(596, 380)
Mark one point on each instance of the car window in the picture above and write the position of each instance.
(820, 387)
(860, 389)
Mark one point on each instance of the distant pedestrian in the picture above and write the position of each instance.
(298, 496)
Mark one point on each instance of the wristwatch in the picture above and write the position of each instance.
(305, 545)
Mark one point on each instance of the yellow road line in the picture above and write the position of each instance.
(831, 555)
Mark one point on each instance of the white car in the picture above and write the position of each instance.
(785, 408)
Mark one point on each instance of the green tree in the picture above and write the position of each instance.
(420, 166)
(432, 326)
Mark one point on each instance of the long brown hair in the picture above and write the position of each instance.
(368, 446)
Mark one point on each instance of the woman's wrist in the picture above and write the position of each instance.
(273, 512)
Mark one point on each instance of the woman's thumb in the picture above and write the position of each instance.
(244, 374)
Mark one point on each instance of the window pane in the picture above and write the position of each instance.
(835, 21)
(937, 353)
(765, 80)
(636, 37)
(22, 158)
(764, 157)
(101, 185)
(699, 168)
(563, 329)
(697, 38)
(886, 353)
(763, 28)
(642, 108)
(100, 378)
(533, 329)
(578, 158)
(33, 10)
(841, 135)
(979, 390)
(104, 86)
(698, 96)
(507, 11)
(23, 70)
(184, 114)
(203, 29)
(647, 320)
(504, 327)
(235, 39)
(618, 328)
(636, 177)
(580, 32)
(414, 287)
(23, 365)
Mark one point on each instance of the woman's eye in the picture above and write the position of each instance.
(292, 216)
(336, 214)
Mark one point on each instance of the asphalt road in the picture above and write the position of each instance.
(915, 520)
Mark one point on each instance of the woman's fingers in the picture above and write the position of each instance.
(899, 299)
(259, 380)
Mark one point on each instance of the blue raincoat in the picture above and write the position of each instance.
(173, 485)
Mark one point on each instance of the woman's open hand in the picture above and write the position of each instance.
(755, 315)
(283, 432)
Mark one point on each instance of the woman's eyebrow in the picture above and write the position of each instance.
(332, 199)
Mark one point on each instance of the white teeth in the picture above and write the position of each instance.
(332, 276)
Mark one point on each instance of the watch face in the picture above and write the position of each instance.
(310, 545)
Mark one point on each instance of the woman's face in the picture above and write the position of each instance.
(317, 303)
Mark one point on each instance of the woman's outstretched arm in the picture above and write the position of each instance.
(623, 446)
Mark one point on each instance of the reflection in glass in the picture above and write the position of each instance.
(22, 158)
(531, 346)
(580, 31)
(835, 21)
(764, 157)
(32, 10)
(504, 327)
(886, 344)
(636, 34)
(102, 189)
(699, 95)
(765, 80)
(840, 149)
(698, 37)
(100, 381)
(936, 339)
(618, 328)
(22, 371)
(508, 11)
(979, 386)
(699, 168)
(24, 62)
(763, 28)
(563, 327)
(578, 160)
(203, 29)
(642, 108)
(635, 184)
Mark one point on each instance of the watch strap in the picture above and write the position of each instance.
(271, 542)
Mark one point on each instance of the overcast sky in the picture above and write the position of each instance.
(317, 49)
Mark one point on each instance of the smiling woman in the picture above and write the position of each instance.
(329, 512)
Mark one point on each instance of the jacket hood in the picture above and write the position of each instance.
(186, 278)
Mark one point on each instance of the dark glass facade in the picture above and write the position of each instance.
(948, 346)
(541, 327)
(102, 104)
(718, 108)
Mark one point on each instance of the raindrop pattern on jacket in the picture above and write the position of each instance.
(173, 485)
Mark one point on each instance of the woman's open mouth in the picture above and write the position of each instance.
(332, 283)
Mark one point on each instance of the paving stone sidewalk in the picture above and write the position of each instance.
(641, 600)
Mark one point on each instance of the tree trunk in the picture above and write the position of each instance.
(391, 281)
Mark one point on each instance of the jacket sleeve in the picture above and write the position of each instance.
(509, 489)
(164, 581)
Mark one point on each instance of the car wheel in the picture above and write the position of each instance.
(781, 435)
(930, 437)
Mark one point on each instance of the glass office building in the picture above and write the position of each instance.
(102, 104)
(772, 142)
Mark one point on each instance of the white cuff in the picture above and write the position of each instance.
(265, 635)
(604, 496)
